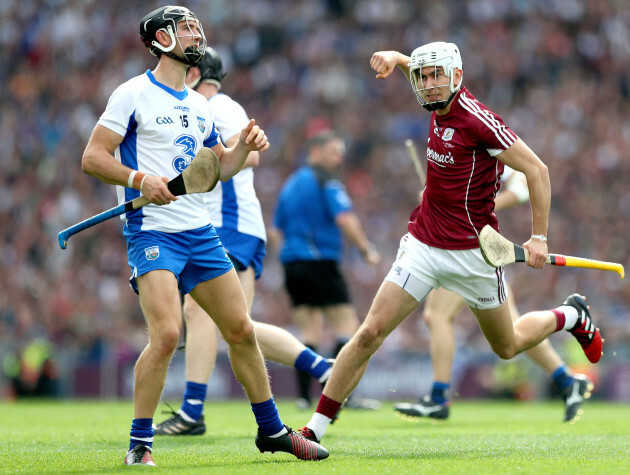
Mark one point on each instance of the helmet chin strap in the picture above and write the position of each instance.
(189, 51)
(434, 106)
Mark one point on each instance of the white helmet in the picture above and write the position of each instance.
(441, 55)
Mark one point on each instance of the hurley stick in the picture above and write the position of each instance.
(499, 251)
(200, 176)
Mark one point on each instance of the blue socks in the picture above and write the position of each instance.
(141, 433)
(439, 393)
(310, 362)
(268, 419)
(561, 377)
(194, 397)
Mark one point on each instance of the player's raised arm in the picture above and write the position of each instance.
(253, 159)
(251, 139)
(384, 63)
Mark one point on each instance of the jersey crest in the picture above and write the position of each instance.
(201, 122)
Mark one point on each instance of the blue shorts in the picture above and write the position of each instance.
(193, 256)
(245, 250)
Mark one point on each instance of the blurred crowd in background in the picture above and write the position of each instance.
(557, 72)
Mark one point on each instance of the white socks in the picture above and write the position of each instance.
(570, 315)
(318, 424)
(282, 432)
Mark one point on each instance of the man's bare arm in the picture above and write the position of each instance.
(521, 158)
(353, 231)
(251, 139)
(99, 161)
(384, 63)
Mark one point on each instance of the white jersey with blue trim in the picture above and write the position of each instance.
(233, 204)
(163, 129)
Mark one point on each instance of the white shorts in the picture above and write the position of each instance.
(418, 268)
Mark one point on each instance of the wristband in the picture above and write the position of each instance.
(137, 180)
(540, 237)
(142, 182)
(131, 177)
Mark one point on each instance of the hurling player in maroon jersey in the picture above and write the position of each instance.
(467, 149)
(441, 307)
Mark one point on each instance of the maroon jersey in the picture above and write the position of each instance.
(462, 174)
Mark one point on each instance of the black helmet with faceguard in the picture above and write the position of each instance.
(210, 68)
(166, 19)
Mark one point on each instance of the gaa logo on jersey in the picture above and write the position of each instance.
(152, 253)
(448, 134)
(201, 122)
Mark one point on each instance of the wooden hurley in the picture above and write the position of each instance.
(499, 251)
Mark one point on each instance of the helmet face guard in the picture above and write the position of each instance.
(445, 59)
(166, 19)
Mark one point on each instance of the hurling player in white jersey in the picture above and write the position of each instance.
(467, 148)
(236, 214)
(151, 129)
(442, 306)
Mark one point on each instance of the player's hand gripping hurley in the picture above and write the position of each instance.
(499, 251)
(200, 176)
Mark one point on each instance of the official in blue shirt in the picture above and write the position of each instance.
(314, 211)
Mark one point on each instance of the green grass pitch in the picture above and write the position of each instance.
(480, 437)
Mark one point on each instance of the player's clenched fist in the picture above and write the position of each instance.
(254, 137)
(384, 62)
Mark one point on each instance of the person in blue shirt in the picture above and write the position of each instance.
(314, 213)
